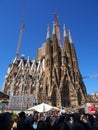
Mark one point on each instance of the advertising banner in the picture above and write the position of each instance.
(21, 102)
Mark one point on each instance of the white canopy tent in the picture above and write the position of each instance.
(43, 107)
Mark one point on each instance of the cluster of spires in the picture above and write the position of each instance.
(55, 71)
(55, 32)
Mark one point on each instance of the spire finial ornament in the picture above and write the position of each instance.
(64, 27)
(70, 37)
(48, 32)
(54, 28)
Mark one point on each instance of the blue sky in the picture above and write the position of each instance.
(80, 16)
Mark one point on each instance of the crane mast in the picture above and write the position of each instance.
(21, 31)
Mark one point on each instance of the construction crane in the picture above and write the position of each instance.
(90, 76)
(21, 31)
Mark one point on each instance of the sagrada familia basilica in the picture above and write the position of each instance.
(52, 77)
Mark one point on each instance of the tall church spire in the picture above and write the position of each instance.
(67, 50)
(57, 28)
(54, 28)
(48, 32)
(70, 37)
(54, 38)
(73, 54)
(48, 41)
(66, 42)
(64, 27)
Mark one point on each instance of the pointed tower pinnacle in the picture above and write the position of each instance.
(54, 28)
(28, 60)
(64, 27)
(15, 60)
(48, 32)
(57, 28)
(70, 37)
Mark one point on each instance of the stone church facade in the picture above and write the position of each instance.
(52, 77)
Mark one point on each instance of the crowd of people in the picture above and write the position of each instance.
(48, 121)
